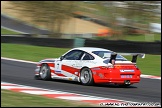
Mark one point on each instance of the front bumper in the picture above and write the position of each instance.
(37, 70)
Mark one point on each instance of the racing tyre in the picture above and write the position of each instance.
(86, 77)
(44, 72)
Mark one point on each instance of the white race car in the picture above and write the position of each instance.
(90, 65)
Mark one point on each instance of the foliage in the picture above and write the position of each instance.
(50, 13)
(132, 15)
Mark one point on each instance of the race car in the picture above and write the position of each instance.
(90, 65)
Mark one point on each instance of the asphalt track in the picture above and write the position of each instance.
(148, 90)
(20, 26)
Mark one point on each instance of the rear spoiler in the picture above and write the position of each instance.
(134, 56)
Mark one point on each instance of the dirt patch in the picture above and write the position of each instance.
(73, 25)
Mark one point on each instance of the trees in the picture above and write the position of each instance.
(132, 15)
(54, 13)
(50, 13)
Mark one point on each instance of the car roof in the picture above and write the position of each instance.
(91, 49)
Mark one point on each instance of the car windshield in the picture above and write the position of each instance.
(107, 54)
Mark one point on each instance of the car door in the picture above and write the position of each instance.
(68, 66)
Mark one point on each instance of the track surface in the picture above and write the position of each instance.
(20, 26)
(148, 90)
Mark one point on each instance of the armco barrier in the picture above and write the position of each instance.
(117, 46)
(50, 42)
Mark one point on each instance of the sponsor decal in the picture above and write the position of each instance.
(94, 72)
(95, 68)
(57, 71)
(126, 76)
(70, 78)
(126, 70)
(100, 75)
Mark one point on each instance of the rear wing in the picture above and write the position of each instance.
(134, 56)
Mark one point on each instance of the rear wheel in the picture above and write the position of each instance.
(86, 77)
(44, 72)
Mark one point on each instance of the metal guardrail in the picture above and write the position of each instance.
(117, 46)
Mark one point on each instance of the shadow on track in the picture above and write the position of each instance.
(94, 85)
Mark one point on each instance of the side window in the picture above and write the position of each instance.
(73, 55)
(88, 57)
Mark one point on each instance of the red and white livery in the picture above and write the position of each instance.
(90, 65)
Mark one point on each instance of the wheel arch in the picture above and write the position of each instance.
(83, 68)
(92, 82)
(46, 64)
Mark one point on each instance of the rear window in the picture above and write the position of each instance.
(107, 54)
(88, 57)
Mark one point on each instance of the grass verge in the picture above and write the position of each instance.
(5, 31)
(147, 38)
(14, 99)
(150, 65)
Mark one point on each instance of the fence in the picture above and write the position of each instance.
(117, 46)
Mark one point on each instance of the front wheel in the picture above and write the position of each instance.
(44, 72)
(86, 77)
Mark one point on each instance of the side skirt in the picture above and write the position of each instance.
(66, 78)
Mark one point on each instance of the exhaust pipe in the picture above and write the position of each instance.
(127, 82)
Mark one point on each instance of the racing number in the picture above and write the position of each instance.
(58, 66)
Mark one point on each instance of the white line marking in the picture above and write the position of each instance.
(18, 60)
(39, 92)
(14, 30)
(78, 98)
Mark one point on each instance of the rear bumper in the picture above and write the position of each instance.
(117, 80)
(115, 75)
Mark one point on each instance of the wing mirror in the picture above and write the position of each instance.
(61, 58)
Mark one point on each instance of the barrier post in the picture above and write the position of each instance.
(79, 42)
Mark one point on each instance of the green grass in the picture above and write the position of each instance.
(148, 38)
(14, 99)
(5, 31)
(29, 52)
(150, 65)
